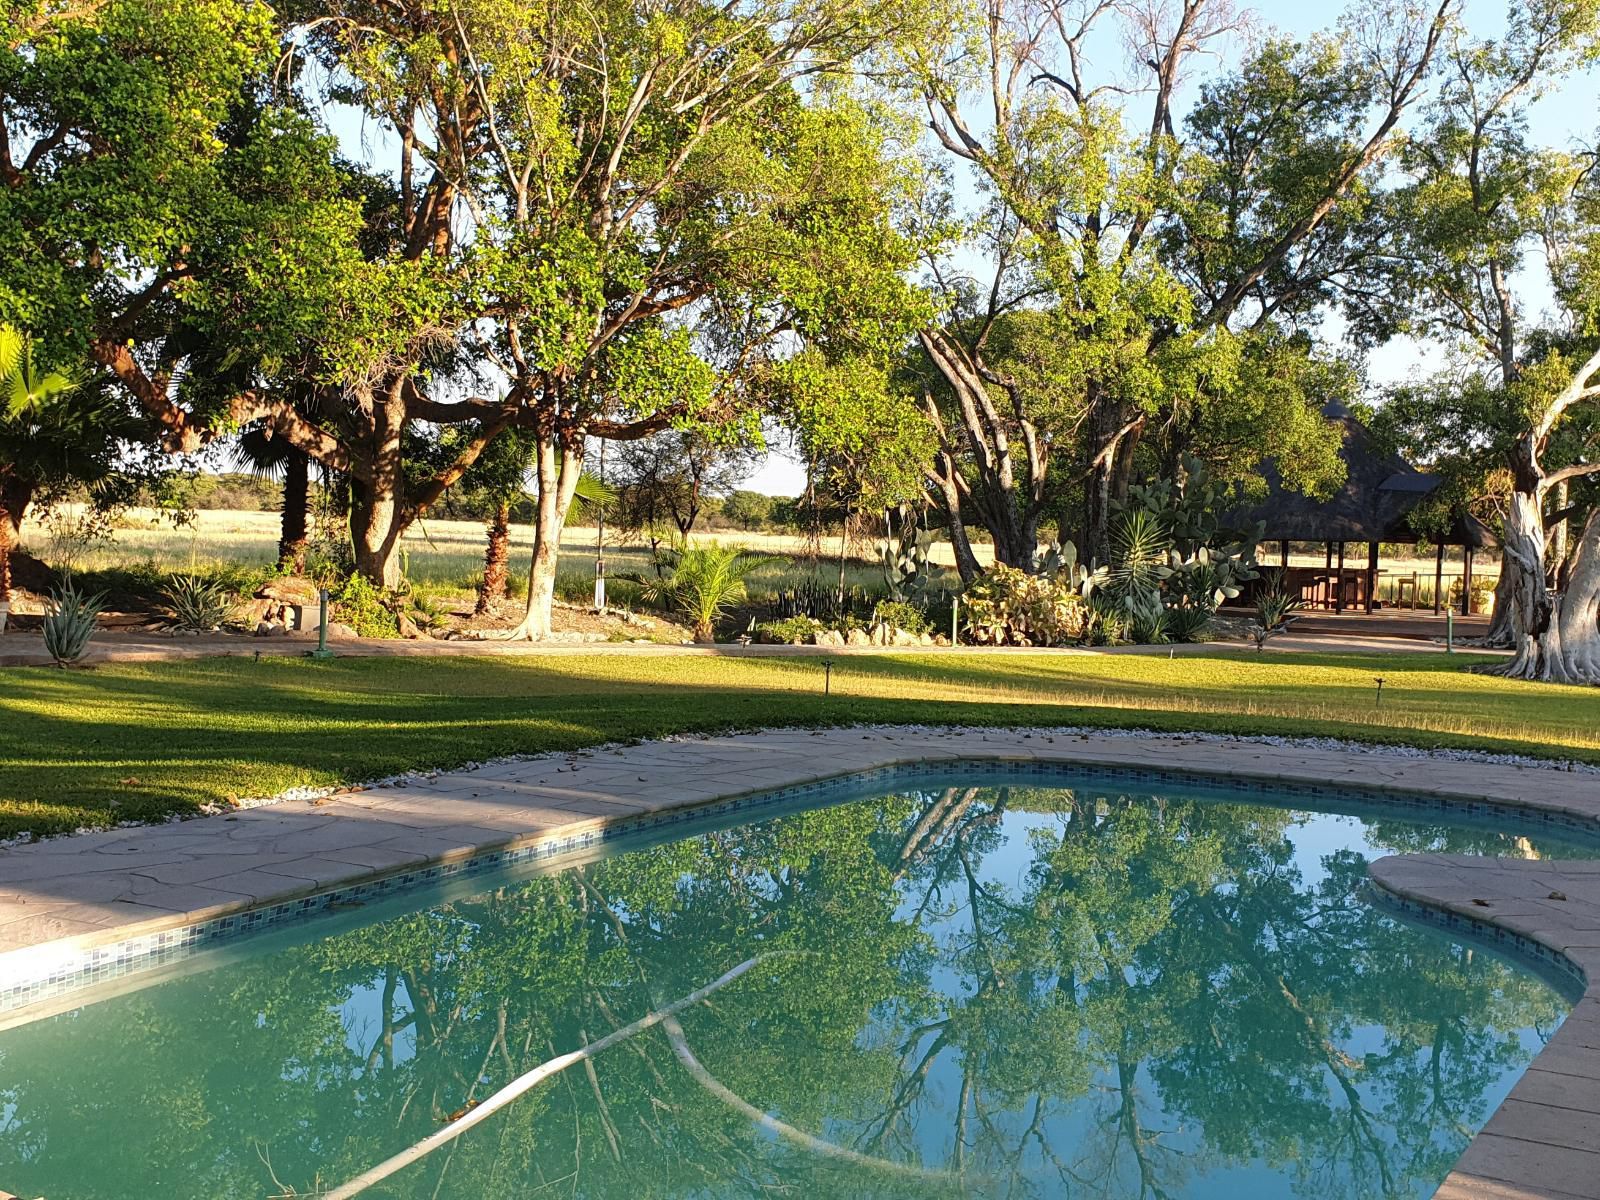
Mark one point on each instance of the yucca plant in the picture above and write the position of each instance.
(197, 603)
(705, 582)
(70, 623)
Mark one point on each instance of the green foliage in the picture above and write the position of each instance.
(796, 630)
(1006, 606)
(365, 607)
(1276, 607)
(705, 581)
(902, 614)
(70, 623)
(908, 569)
(197, 602)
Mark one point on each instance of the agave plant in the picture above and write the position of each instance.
(705, 582)
(197, 603)
(70, 623)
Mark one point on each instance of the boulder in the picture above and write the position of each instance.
(829, 637)
(270, 629)
(858, 637)
(880, 635)
(939, 639)
(407, 627)
(902, 637)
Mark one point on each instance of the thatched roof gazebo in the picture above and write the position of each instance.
(1373, 505)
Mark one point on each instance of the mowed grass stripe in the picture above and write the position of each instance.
(141, 742)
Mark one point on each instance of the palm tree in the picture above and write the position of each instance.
(271, 457)
(46, 436)
(705, 582)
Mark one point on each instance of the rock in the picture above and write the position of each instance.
(939, 639)
(270, 629)
(858, 637)
(902, 637)
(337, 629)
(407, 627)
(880, 635)
(253, 612)
(924, 639)
(829, 637)
(289, 589)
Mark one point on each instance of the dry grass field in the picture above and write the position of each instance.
(444, 558)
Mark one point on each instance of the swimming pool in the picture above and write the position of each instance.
(985, 989)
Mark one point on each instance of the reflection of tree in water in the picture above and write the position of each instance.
(1132, 994)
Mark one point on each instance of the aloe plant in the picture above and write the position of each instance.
(197, 603)
(70, 623)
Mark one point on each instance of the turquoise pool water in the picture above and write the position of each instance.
(996, 991)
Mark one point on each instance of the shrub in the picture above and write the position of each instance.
(70, 623)
(1007, 606)
(365, 608)
(197, 603)
(796, 630)
(901, 614)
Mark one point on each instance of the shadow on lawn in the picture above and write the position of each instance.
(94, 747)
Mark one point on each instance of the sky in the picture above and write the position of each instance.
(1562, 119)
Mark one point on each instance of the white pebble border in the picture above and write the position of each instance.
(570, 759)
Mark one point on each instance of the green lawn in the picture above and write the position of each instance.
(87, 748)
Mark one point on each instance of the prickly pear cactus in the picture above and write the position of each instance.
(906, 563)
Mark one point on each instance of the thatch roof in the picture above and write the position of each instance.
(1379, 492)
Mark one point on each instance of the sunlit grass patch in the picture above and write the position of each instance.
(139, 742)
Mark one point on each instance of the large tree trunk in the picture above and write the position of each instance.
(1500, 632)
(558, 480)
(1578, 615)
(378, 512)
(496, 559)
(1006, 505)
(1113, 438)
(15, 496)
(1535, 639)
(296, 512)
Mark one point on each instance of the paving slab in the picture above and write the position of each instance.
(64, 896)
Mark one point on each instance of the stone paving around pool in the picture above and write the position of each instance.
(64, 897)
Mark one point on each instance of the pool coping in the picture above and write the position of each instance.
(120, 901)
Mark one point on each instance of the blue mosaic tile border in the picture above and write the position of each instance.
(101, 964)
(1555, 968)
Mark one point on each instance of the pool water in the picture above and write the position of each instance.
(995, 991)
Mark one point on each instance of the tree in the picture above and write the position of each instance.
(1152, 267)
(179, 221)
(642, 196)
(1480, 200)
(748, 510)
(669, 477)
(55, 433)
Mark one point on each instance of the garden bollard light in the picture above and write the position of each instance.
(955, 619)
(1449, 631)
(322, 650)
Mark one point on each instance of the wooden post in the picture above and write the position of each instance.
(1466, 582)
(1438, 578)
(1284, 547)
(1338, 583)
(1372, 576)
(1327, 573)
